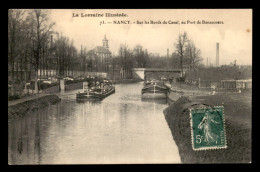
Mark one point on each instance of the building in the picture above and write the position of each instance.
(98, 59)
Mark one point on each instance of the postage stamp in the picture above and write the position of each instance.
(208, 128)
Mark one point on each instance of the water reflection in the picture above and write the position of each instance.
(120, 129)
(158, 101)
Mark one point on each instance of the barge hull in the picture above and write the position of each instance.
(94, 96)
(154, 96)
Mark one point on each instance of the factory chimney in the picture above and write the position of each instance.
(51, 40)
(167, 52)
(217, 55)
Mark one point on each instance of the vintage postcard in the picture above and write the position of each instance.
(129, 86)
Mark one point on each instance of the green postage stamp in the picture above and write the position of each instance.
(208, 128)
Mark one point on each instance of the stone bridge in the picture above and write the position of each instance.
(138, 73)
(155, 73)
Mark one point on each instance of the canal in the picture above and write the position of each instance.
(120, 129)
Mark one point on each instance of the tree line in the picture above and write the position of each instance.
(186, 55)
(31, 47)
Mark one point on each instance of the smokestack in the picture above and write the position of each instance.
(51, 40)
(167, 52)
(217, 55)
(81, 49)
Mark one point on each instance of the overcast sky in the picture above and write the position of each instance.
(234, 36)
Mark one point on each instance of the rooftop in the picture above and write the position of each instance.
(100, 49)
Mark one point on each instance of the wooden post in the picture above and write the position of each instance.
(36, 85)
(62, 85)
(199, 82)
(25, 79)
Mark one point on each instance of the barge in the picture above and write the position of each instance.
(154, 89)
(95, 93)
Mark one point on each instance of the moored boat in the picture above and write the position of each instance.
(95, 93)
(154, 89)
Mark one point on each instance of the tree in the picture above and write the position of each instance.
(14, 40)
(72, 53)
(141, 56)
(157, 61)
(193, 55)
(27, 48)
(83, 56)
(61, 46)
(180, 48)
(126, 61)
(42, 30)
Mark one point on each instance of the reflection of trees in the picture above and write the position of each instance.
(37, 144)
(12, 145)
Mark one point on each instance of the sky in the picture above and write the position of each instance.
(234, 35)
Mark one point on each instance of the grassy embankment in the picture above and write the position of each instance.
(18, 110)
(237, 110)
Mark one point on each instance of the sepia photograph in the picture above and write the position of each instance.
(129, 86)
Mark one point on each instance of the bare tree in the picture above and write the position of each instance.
(83, 59)
(126, 60)
(60, 49)
(141, 56)
(180, 47)
(42, 30)
(193, 54)
(71, 53)
(14, 40)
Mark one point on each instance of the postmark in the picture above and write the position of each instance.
(208, 128)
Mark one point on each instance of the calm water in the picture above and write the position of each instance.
(120, 129)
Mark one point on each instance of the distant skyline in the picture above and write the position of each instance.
(234, 36)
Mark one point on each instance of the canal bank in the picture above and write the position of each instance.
(19, 108)
(177, 90)
(237, 124)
